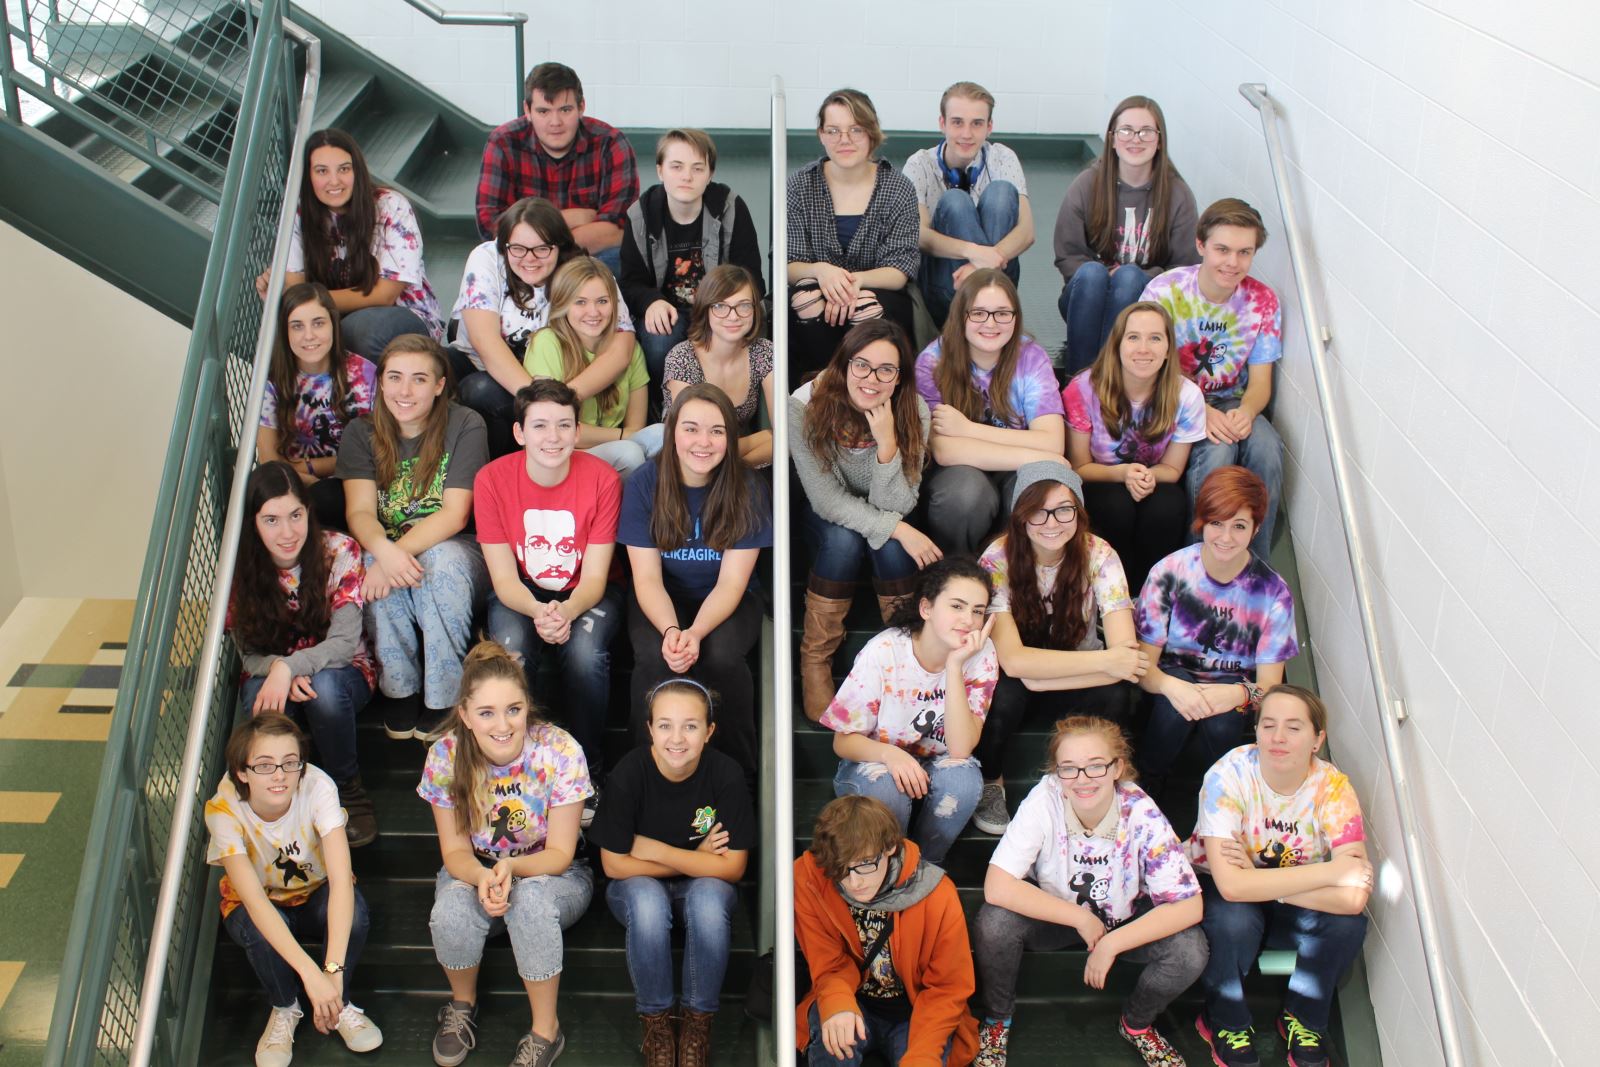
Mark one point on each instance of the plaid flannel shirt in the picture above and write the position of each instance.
(598, 172)
(887, 236)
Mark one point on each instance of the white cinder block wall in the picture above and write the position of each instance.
(709, 63)
(1445, 167)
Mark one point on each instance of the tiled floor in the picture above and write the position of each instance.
(60, 661)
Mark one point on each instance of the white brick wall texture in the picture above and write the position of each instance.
(1444, 166)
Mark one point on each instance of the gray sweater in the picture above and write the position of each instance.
(857, 492)
(1073, 248)
(338, 649)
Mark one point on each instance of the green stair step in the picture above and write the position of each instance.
(340, 93)
(393, 140)
(448, 181)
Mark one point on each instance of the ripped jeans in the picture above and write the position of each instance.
(954, 786)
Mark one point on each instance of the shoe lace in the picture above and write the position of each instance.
(353, 1018)
(994, 1036)
(1236, 1039)
(457, 1022)
(527, 1052)
(1300, 1034)
(283, 1024)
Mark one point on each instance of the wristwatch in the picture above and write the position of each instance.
(332, 968)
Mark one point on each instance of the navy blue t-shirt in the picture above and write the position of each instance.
(691, 569)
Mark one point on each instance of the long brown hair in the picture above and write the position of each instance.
(487, 660)
(1106, 377)
(285, 370)
(386, 431)
(731, 510)
(546, 220)
(832, 421)
(953, 374)
(718, 286)
(323, 231)
(1103, 198)
(1063, 619)
(263, 621)
(564, 286)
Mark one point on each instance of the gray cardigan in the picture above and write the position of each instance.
(338, 649)
(857, 492)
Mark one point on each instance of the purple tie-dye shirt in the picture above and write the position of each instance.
(1033, 385)
(1218, 632)
(1083, 415)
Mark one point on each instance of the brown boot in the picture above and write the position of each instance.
(694, 1040)
(891, 593)
(827, 603)
(360, 821)
(660, 1045)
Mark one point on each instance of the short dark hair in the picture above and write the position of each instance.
(237, 752)
(551, 79)
(544, 391)
(851, 829)
(1231, 211)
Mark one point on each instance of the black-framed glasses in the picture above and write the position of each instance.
(539, 252)
(1143, 133)
(288, 766)
(865, 868)
(1004, 316)
(1068, 773)
(884, 372)
(743, 309)
(1064, 514)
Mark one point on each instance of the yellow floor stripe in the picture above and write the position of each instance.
(27, 634)
(9, 862)
(9, 972)
(17, 806)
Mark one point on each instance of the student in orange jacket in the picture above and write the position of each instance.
(862, 890)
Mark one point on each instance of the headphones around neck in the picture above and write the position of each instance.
(962, 179)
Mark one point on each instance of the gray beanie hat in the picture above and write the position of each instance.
(1045, 470)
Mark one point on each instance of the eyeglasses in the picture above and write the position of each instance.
(1064, 514)
(1004, 316)
(884, 372)
(1143, 133)
(288, 766)
(539, 252)
(743, 309)
(1068, 773)
(863, 869)
(834, 133)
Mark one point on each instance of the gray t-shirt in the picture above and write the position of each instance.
(466, 450)
(927, 177)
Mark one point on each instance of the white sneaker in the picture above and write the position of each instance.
(359, 1032)
(276, 1047)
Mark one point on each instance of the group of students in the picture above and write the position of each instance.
(599, 379)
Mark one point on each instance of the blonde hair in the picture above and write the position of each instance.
(487, 661)
(967, 91)
(859, 104)
(564, 287)
(1091, 726)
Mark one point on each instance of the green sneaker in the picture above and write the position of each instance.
(1307, 1047)
(1229, 1048)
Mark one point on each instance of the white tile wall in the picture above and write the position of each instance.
(1444, 165)
(710, 62)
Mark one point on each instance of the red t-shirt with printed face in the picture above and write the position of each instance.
(547, 528)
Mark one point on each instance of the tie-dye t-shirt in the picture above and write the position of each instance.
(397, 244)
(318, 428)
(285, 853)
(1141, 859)
(1280, 831)
(1218, 342)
(1083, 415)
(1108, 584)
(1218, 632)
(466, 450)
(890, 697)
(1033, 385)
(517, 797)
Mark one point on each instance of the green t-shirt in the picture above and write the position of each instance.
(544, 361)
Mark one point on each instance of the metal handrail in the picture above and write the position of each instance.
(516, 19)
(1391, 710)
(783, 681)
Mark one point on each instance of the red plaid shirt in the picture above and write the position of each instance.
(598, 172)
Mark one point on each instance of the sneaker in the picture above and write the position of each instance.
(1151, 1045)
(276, 1047)
(1229, 1048)
(457, 1034)
(431, 724)
(591, 805)
(359, 1032)
(991, 816)
(535, 1051)
(361, 821)
(400, 716)
(1307, 1047)
(992, 1037)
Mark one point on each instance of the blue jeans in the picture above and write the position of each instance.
(1325, 946)
(542, 907)
(1167, 732)
(585, 664)
(1260, 453)
(368, 331)
(648, 908)
(839, 551)
(612, 258)
(984, 223)
(1090, 304)
(885, 1036)
(422, 634)
(307, 922)
(330, 716)
(954, 786)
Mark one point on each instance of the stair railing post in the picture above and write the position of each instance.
(7, 70)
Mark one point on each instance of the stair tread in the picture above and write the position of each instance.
(337, 94)
(392, 138)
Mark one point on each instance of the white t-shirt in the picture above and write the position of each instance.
(1108, 584)
(285, 853)
(397, 244)
(890, 697)
(927, 177)
(1108, 868)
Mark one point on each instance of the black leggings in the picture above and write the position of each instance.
(1014, 703)
(812, 342)
(1144, 532)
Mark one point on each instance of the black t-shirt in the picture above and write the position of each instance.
(638, 799)
(686, 266)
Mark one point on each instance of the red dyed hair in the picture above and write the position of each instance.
(1228, 491)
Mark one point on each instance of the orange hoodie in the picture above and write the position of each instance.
(929, 948)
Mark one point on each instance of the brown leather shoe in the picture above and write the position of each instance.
(360, 822)
(660, 1046)
(694, 1039)
(824, 632)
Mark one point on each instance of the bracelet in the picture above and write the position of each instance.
(677, 628)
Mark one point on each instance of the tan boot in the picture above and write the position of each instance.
(891, 593)
(694, 1039)
(660, 1044)
(824, 632)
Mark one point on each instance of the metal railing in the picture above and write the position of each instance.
(515, 19)
(127, 992)
(1391, 710)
